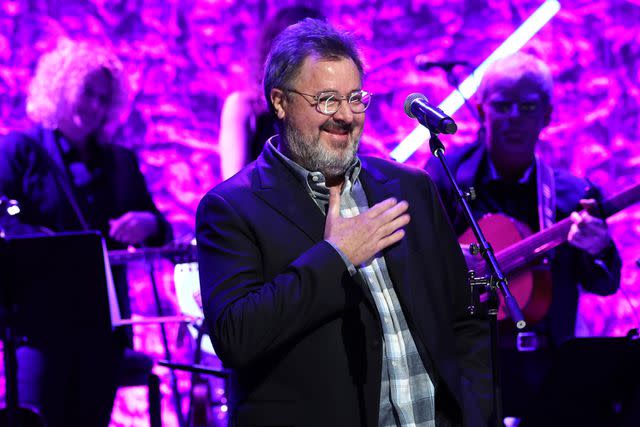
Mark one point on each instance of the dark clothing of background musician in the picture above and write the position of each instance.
(35, 167)
(571, 268)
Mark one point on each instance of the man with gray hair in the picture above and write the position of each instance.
(328, 303)
(509, 179)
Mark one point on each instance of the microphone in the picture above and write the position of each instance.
(423, 63)
(417, 107)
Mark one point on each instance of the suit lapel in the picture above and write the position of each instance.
(378, 187)
(270, 179)
(276, 185)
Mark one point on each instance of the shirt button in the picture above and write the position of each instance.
(314, 178)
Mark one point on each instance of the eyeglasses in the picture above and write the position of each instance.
(329, 102)
(526, 107)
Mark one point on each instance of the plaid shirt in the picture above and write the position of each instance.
(407, 392)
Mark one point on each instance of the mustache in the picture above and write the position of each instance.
(336, 126)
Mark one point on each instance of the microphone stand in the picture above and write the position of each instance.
(10, 345)
(9, 336)
(495, 280)
(13, 414)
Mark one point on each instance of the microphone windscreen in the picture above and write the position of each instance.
(409, 101)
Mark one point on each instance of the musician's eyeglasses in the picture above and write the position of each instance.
(329, 103)
(525, 107)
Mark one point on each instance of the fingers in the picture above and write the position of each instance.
(583, 220)
(393, 218)
(120, 228)
(588, 233)
(381, 207)
(133, 227)
(576, 218)
(391, 239)
(588, 203)
(392, 221)
(360, 237)
(118, 231)
(395, 224)
(116, 226)
(394, 211)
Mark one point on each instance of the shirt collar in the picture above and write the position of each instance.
(493, 174)
(313, 180)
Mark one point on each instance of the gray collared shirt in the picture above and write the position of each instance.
(406, 391)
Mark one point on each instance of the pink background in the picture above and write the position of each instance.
(184, 57)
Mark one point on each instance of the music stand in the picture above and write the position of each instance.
(60, 295)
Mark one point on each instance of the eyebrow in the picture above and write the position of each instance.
(528, 96)
(336, 91)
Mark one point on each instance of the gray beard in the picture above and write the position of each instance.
(310, 154)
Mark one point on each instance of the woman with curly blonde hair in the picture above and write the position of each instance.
(67, 176)
(57, 94)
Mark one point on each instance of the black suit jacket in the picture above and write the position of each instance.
(301, 336)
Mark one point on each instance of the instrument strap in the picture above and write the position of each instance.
(546, 194)
(64, 182)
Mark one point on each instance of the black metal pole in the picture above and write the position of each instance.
(495, 359)
(165, 342)
(7, 314)
(11, 369)
(485, 249)
(197, 356)
(496, 280)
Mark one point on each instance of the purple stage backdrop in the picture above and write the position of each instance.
(184, 57)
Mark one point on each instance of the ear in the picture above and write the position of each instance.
(278, 100)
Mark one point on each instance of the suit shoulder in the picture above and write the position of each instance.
(236, 186)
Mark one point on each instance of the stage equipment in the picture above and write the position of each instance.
(417, 107)
(495, 280)
(468, 87)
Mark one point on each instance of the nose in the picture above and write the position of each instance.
(344, 113)
(514, 110)
(95, 103)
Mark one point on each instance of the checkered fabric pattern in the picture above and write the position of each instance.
(407, 392)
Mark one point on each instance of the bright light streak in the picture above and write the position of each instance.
(469, 86)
